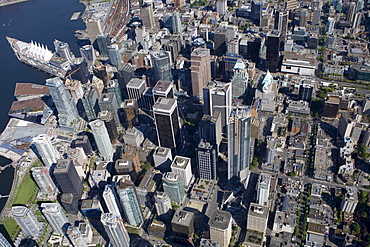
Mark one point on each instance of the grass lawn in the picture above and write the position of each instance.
(26, 191)
(11, 227)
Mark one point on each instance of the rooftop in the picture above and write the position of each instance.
(220, 220)
(30, 89)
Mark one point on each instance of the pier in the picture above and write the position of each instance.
(8, 2)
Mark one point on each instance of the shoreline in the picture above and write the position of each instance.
(5, 3)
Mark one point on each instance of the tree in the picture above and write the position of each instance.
(292, 174)
(356, 228)
(363, 196)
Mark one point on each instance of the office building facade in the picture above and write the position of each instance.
(108, 102)
(173, 186)
(207, 160)
(111, 200)
(182, 166)
(273, 51)
(103, 41)
(43, 148)
(239, 80)
(200, 70)
(102, 140)
(116, 230)
(67, 178)
(54, 214)
(42, 177)
(162, 65)
(114, 55)
(263, 189)
(220, 227)
(27, 221)
(162, 203)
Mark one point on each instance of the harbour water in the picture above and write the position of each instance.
(41, 21)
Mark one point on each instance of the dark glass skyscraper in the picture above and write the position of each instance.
(256, 11)
(103, 41)
(272, 51)
(161, 64)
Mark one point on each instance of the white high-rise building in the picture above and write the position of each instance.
(76, 237)
(43, 148)
(221, 6)
(27, 221)
(263, 188)
(116, 230)
(54, 214)
(111, 200)
(162, 203)
(182, 166)
(220, 227)
(102, 140)
(330, 26)
(4, 242)
(42, 177)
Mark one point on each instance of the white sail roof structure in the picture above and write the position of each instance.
(39, 51)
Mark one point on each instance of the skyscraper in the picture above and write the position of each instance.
(27, 221)
(102, 140)
(116, 230)
(207, 160)
(217, 98)
(54, 214)
(88, 53)
(281, 23)
(41, 175)
(167, 122)
(130, 109)
(220, 227)
(272, 51)
(239, 79)
(200, 69)
(263, 189)
(113, 87)
(316, 16)
(109, 123)
(303, 18)
(67, 111)
(351, 11)
(90, 103)
(103, 41)
(114, 55)
(220, 40)
(108, 102)
(330, 26)
(162, 203)
(111, 200)
(240, 144)
(182, 166)
(43, 148)
(4, 242)
(67, 177)
(173, 186)
(163, 89)
(256, 11)
(135, 89)
(221, 6)
(62, 49)
(162, 65)
(147, 15)
(76, 237)
(129, 202)
(210, 128)
(305, 92)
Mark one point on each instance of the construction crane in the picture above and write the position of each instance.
(70, 74)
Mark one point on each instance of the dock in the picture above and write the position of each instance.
(8, 2)
(75, 16)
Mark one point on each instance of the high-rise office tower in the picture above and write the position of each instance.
(109, 123)
(316, 16)
(305, 92)
(130, 109)
(182, 166)
(221, 6)
(88, 53)
(173, 186)
(41, 175)
(67, 178)
(83, 142)
(103, 41)
(291, 5)
(220, 227)
(207, 160)
(62, 49)
(217, 98)
(124, 74)
(253, 49)
(129, 202)
(113, 87)
(76, 237)
(303, 18)
(135, 90)
(116, 230)
(200, 69)
(263, 188)
(162, 65)
(281, 23)
(27, 221)
(147, 15)
(351, 11)
(163, 89)
(108, 102)
(330, 26)
(272, 51)
(357, 20)
(240, 145)
(167, 122)
(172, 21)
(162, 203)
(256, 11)
(114, 55)
(220, 40)
(54, 214)
(90, 103)
(239, 79)
(4, 242)
(43, 148)
(210, 128)
(111, 200)
(67, 111)
(359, 5)
(102, 140)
